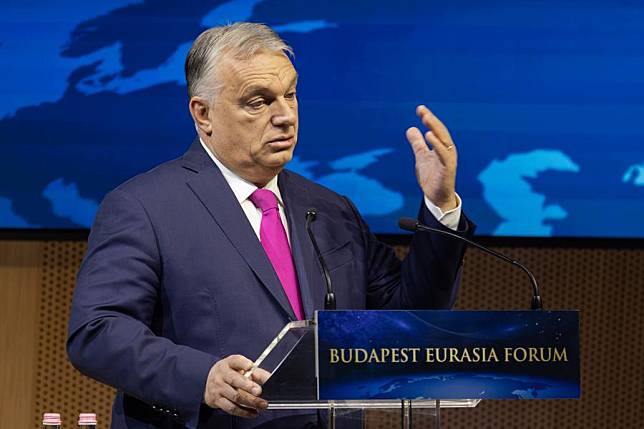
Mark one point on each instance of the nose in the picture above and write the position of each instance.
(284, 113)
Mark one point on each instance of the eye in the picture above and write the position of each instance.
(290, 95)
(256, 103)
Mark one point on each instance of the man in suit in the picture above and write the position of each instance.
(193, 267)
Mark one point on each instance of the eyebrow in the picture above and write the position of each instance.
(261, 89)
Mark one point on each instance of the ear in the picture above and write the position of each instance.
(200, 111)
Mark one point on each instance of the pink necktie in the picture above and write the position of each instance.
(273, 238)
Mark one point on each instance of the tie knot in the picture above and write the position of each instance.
(264, 199)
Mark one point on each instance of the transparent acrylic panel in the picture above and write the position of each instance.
(290, 359)
(402, 415)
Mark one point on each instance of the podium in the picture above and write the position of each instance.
(400, 367)
(292, 361)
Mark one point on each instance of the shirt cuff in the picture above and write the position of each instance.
(450, 218)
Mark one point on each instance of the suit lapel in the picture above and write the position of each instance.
(297, 200)
(213, 191)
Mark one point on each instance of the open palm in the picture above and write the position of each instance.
(435, 166)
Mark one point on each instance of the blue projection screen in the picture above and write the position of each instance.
(545, 101)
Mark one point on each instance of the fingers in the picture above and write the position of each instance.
(438, 137)
(444, 152)
(235, 376)
(419, 145)
(239, 362)
(435, 167)
(238, 381)
(260, 375)
(228, 389)
(416, 140)
(243, 398)
(234, 409)
(434, 124)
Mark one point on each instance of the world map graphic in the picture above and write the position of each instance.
(546, 114)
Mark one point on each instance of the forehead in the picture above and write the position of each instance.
(264, 68)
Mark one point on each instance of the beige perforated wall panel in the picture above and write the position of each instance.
(607, 285)
(20, 278)
(59, 387)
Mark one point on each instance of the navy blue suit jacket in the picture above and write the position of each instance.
(175, 279)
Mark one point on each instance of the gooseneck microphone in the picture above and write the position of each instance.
(413, 225)
(329, 298)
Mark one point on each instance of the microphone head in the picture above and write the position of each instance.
(408, 224)
(312, 213)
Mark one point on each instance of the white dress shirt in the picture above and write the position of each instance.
(243, 190)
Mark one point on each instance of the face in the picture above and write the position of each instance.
(251, 126)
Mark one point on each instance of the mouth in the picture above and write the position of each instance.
(281, 142)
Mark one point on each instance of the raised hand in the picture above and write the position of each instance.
(435, 167)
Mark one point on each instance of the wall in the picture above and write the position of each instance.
(607, 285)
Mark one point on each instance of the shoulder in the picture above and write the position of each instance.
(168, 178)
(298, 181)
(148, 192)
(156, 180)
(318, 196)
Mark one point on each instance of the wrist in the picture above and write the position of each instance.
(452, 204)
(445, 204)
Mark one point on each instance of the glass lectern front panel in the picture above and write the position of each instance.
(291, 361)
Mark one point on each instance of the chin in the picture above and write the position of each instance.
(279, 160)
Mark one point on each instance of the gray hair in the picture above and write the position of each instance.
(240, 40)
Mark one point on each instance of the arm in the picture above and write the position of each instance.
(428, 277)
(436, 261)
(114, 307)
(430, 274)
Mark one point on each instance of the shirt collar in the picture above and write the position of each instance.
(242, 188)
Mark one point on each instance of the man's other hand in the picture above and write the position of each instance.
(435, 167)
(229, 390)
